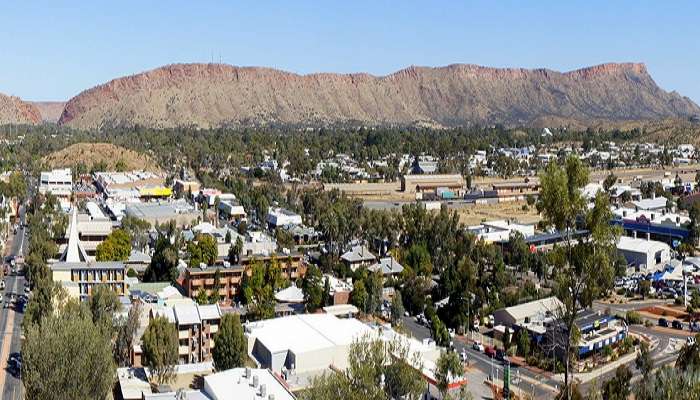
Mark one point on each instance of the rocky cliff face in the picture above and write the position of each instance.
(213, 95)
(15, 111)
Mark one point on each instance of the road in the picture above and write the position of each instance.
(543, 386)
(11, 324)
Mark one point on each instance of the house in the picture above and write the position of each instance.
(516, 190)
(232, 210)
(528, 312)
(387, 266)
(196, 326)
(643, 254)
(357, 257)
(278, 217)
(656, 204)
(500, 230)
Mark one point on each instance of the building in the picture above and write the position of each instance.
(516, 190)
(93, 229)
(643, 254)
(528, 312)
(311, 342)
(657, 204)
(387, 266)
(184, 186)
(232, 210)
(78, 274)
(357, 257)
(131, 185)
(198, 278)
(597, 331)
(430, 183)
(58, 182)
(196, 326)
(652, 225)
(246, 383)
(500, 230)
(162, 212)
(278, 217)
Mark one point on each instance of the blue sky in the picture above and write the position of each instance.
(52, 51)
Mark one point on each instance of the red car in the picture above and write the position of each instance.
(490, 351)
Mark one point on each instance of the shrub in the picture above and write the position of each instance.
(131, 273)
(633, 318)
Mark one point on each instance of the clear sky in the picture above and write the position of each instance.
(52, 51)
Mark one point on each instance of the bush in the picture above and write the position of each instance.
(648, 324)
(525, 208)
(131, 273)
(633, 318)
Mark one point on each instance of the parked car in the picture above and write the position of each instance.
(676, 324)
(478, 346)
(501, 355)
(663, 322)
(490, 351)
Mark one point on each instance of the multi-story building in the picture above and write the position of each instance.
(78, 274)
(197, 278)
(58, 182)
(196, 326)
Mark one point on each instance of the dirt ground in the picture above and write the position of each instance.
(475, 214)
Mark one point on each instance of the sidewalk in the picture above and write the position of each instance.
(583, 377)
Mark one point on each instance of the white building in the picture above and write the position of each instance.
(277, 217)
(500, 230)
(525, 313)
(246, 383)
(58, 182)
(643, 254)
(303, 343)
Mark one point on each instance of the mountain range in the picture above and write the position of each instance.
(216, 95)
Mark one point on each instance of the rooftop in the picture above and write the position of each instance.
(238, 384)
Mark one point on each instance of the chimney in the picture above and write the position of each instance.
(263, 391)
(256, 381)
(247, 373)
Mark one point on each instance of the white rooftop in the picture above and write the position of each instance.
(233, 384)
(306, 332)
(627, 243)
(542, 306)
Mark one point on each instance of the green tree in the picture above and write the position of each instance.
(397, 308)
(202, 297)
(506, 340)
(160, 345)
(358, 296)
(583, 270)
(447, 368)
(67, 357)
(203, 250)
(609, 181)
(215, 295)
(234, 251)
(369, 360)
(312, 287)
(689, 356)
(644, 362)
(523, 343)
(104, 304)
(618, 387)
(230, 344)
(126, 333)
(164, 262)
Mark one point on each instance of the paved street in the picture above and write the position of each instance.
(542, 386)
(10, 325)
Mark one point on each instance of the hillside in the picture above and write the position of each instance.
(213, 95)
(94, 153)
(50, 110)
(15, 111)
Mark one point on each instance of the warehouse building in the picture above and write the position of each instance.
(310, 342)
(643, 254)
(431, 183)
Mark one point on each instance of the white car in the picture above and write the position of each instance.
(478, 346)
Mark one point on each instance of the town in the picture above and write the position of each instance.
(195, 294)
